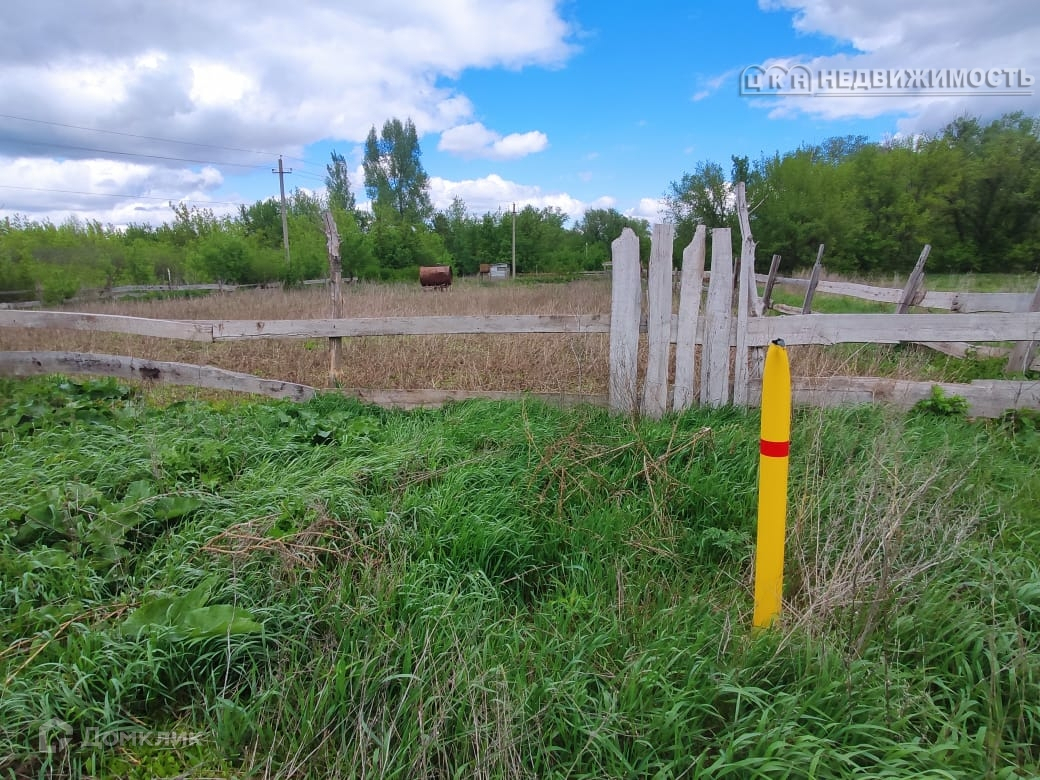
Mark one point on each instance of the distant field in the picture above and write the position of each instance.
(536, 363)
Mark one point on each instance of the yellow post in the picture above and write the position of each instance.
(774, 448)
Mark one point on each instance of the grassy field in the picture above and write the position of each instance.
(507, 590)
(536, 363)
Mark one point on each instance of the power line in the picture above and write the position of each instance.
(113, 195)
(149, 137)
(135, 135)
(129, 154)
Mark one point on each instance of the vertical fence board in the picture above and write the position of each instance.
(1022, 352)
(335, 291)
(718, 321)
(690, 290)
(626, 301)
(914, 283)
(814, 279)
(658, 322)
(767, 296)
(745, 290)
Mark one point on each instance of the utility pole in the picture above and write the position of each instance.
(514, 240)
(285, 222)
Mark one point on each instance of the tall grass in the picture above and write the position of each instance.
(510, 590)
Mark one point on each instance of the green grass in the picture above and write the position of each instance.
(509, 590)
(826, 303)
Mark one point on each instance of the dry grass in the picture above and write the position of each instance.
(536, 362)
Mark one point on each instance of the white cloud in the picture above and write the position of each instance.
(473, 140)
(493, 193)
(928, 34)
(105, 190)
(650, 209)
(253, 75)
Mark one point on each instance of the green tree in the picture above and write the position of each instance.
(699, 198)
(337, 181)
(262, 222)
(395, 179)
(597, 230)
(458, 231)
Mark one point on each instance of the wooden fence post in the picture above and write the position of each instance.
(747, 299)
(914, 283)
(690, 290)
(718, 322)
(626, 302)
(1022, 353)
(767, 296)
(814, 279)
(658, 322)
(336, 292)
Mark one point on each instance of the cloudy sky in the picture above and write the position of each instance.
(111, 109)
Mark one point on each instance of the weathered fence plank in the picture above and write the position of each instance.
(658, 321)
(893, 328)
(718, 322)
(964, 302)
(122, 367)
(1022, 353)
(985, 397)
(428, 399)
(745, 284)
(108, 323)
(335, 292)
(690, 291)
(814, 281)
(770, 281)
(230, 330)
(913, 292)
(625, 311)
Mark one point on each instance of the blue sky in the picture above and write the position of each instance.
(108, 114)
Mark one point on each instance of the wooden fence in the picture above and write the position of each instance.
(732, 338)
(728, 324)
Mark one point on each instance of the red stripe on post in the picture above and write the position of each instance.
(774, 449)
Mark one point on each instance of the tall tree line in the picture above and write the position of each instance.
(971, 190)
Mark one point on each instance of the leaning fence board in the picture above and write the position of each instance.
(122, 367)
(970, 303)
(744, 288)
(658, 322)
(961, 349)
(894, 328)
(814, 281)
(428, 399)
(108, 323)
(963, 302)
(986, 398)
(229, 330)
(690, 290)
(625, 312)
(1022, 353)
(913, 293)
(718, 322)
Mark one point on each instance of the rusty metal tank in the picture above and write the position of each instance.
(435, 276)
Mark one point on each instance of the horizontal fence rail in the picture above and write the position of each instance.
(122, 367)
(963, 302)
(704, 345)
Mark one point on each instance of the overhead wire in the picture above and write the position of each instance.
(154, 138)
(129, 154)
(170, 198)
